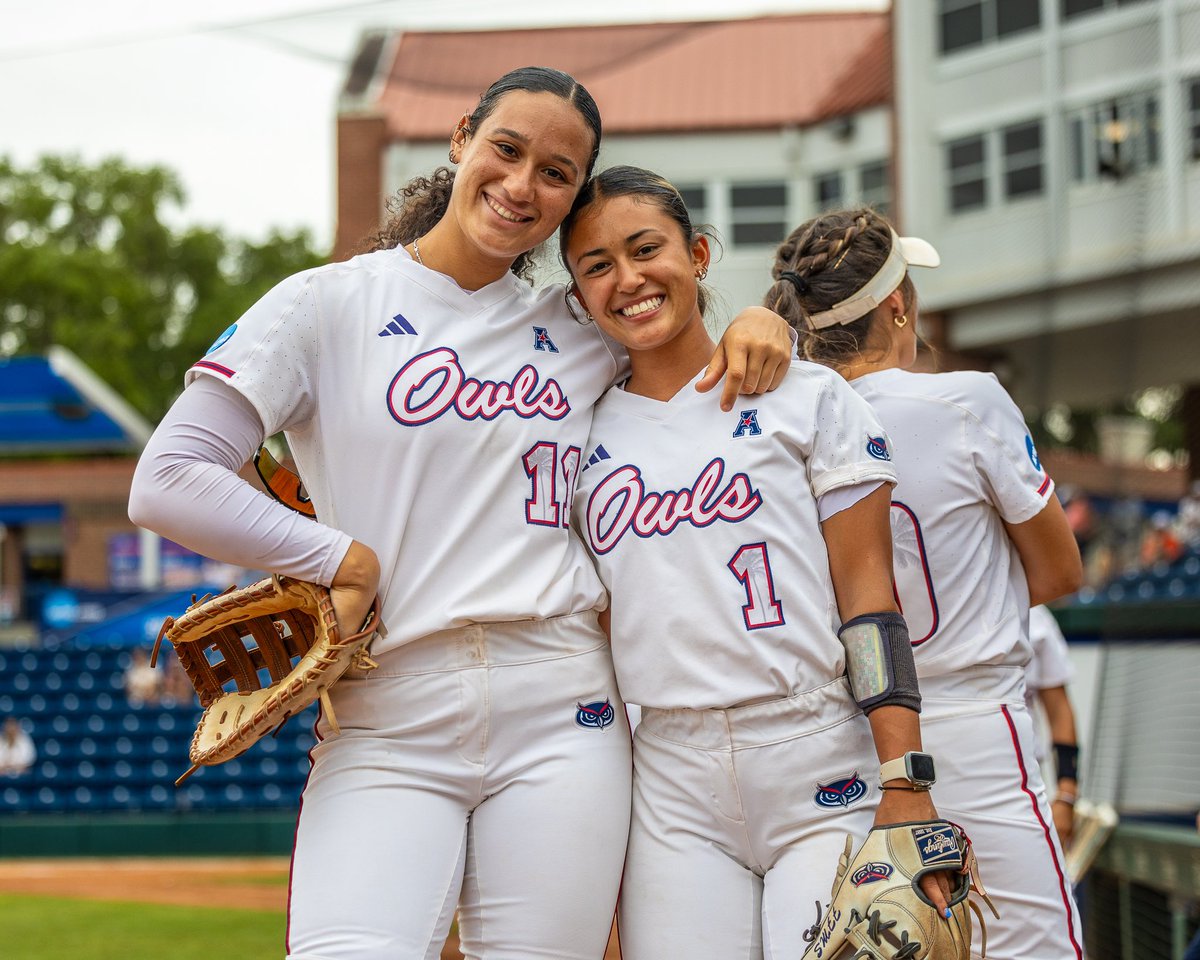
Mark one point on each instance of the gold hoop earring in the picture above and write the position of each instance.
(901, 321)
(568, 297)
(703, 272)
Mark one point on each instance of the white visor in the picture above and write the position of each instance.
(906, 252)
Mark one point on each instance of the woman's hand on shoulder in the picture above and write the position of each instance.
(753, 355)
(354, 587)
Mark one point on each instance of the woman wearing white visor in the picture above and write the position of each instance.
(978, 535)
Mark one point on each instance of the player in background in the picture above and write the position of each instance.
(1046, 677)
(978, 536)
(436, 406)
(769, 523)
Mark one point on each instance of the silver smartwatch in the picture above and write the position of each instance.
(916, 768)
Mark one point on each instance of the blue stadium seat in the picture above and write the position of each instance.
(159, 795)
(272, 794)
(118, 798)
(45, 798)
(95, 753)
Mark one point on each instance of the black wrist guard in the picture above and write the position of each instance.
(1066, 761)
(879, 661)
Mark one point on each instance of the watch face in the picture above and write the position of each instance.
(921, 765)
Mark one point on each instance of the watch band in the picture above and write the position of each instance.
(893, 770)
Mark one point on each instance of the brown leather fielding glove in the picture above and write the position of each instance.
(877, 910)
(258, 655)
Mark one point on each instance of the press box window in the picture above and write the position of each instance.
(696, 201)
(1022, 159)
(828, 191)
(1076, 8)
(1114, 139)
(759, 213)
(874, 186)
(1194, 117)
(966, 171)
(972, 23)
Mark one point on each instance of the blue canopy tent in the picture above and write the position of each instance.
(55, 404)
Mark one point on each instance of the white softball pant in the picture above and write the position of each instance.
(977, 727)
(739, 817)
(489, 763)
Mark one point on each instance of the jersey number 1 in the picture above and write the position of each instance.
(553, 480)
(752, 566)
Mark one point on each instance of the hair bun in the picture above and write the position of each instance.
(797, 281)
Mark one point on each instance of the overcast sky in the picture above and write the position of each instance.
(238, 96)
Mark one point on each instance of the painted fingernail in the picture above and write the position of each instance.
(947, 913)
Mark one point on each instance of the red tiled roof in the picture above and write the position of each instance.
(656, 77)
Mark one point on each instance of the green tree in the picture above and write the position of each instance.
(89, 261)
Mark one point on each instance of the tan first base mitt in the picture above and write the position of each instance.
(877, 910)
(258, 655)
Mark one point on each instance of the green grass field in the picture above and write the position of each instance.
(55, 928)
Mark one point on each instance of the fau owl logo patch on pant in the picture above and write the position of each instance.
(840, 793)
(598, 714)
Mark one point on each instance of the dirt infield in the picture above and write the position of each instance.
(251, 884)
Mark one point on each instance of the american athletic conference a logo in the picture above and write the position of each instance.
(597, 715)
(840, 793)
(747, 425)
(542, 341)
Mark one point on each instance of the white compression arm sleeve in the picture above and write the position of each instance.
(842, 498)
(186, 488)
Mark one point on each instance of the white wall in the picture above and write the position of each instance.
(1072, 235)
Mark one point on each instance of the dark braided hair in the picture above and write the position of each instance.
(822, 262)
(423, 201)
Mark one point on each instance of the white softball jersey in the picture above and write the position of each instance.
(441, 427)
(1050, 662)
(966, 463)
(1049, 666)
(704, 529)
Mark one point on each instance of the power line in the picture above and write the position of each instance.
(13, 55)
